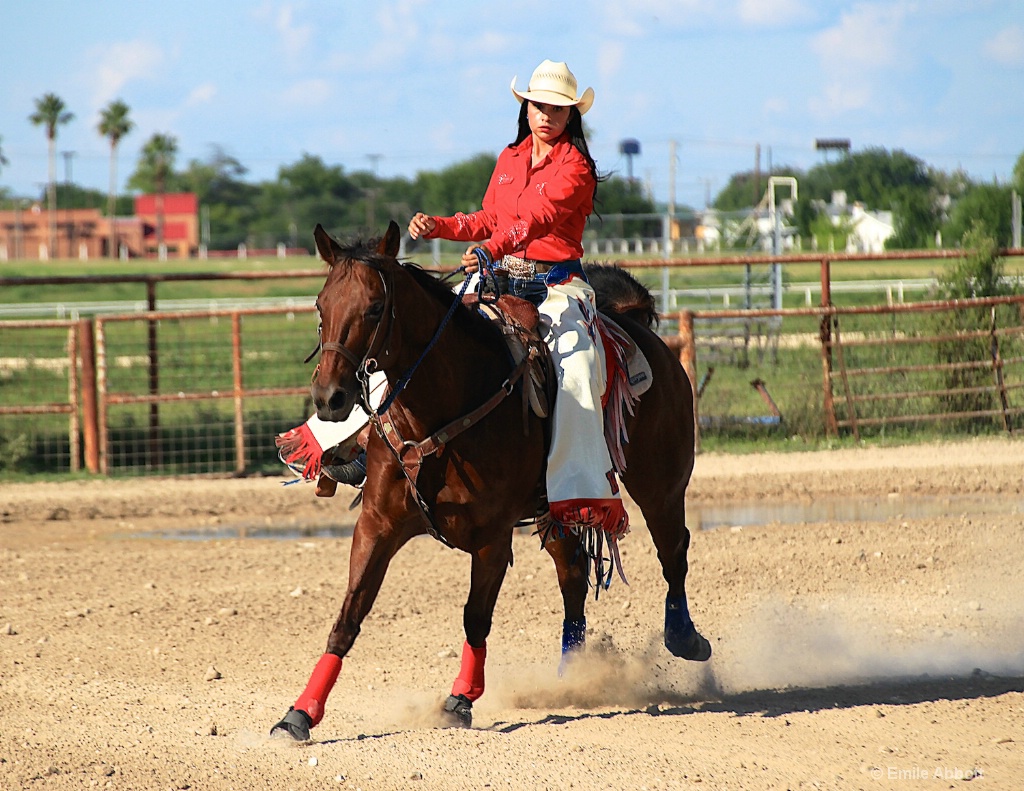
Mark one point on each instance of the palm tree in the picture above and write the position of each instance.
(158, 159)
(114, 124)
(51, 113)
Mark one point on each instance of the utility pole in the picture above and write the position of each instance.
(757, 173)
(68, 158)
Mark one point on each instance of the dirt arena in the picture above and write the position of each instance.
(848, 654)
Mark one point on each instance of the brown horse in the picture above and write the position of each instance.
(442, 362)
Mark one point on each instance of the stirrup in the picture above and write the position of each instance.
(353, 472)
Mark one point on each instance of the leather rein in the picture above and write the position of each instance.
(410, 453)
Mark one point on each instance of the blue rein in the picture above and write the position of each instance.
(404, 380)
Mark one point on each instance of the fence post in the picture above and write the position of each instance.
(825, 335)
(236, 365)
(90, 421)
(688, 359)
(155, 449)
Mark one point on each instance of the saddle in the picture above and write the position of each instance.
(520, 324)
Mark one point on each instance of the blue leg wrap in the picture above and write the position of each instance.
(574, 638)
(681, 637)
(678, 623)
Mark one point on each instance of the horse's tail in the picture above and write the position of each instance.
(619, 292)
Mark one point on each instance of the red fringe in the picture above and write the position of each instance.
(618, 398)
(607, 515)
(298, 448)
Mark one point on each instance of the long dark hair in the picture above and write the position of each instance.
(578, 139)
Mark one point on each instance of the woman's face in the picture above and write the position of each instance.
(547, 121)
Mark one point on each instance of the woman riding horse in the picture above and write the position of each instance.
(531, 226)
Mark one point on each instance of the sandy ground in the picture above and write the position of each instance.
(848, 654)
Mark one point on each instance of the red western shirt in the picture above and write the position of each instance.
(532, 212)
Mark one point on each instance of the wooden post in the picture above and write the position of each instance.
(688, 359)
(825, 334)
(90, 419)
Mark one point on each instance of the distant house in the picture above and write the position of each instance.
(178, 212)
(869, 230)
(85, 233)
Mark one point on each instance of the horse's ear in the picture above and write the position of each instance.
(328, 248)
(390, 241)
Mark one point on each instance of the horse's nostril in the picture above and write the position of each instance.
(337, 400)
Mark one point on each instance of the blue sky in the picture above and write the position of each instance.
(410, 85)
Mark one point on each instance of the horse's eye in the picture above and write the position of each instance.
(375, 311)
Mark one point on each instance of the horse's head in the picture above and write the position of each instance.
(355, 307)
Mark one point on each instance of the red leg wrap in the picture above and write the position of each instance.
(471, 677)
(314, 696)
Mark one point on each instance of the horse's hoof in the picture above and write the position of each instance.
(296, 723)
(688, 643)
(459, 709)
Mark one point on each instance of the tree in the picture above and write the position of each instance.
(51, 113)
(1018, 175)
(155, 168)
(114, 124)
(984, 205)
(230, 203)
(3, 160)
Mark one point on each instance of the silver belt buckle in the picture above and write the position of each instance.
(522, 268)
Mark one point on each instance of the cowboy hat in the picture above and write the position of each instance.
(553, 83)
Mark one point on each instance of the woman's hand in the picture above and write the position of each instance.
(470, 263)
(420, 225)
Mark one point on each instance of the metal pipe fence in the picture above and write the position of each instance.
(206, 391)
(875, 368)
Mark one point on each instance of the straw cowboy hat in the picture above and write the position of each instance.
(553, 83)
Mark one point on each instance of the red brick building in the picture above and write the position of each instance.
(85, 233)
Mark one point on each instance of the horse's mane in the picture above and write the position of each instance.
(619, 292)
(470, 320)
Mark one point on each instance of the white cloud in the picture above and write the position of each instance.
(201, 94)
(839, 98)
(868, 37)
(771, 13)
(859, 55)
(121, 63)
(1007, 46)
(307, 93)
(295, 38)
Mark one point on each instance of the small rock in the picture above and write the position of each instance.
(212, 674)
(973, 605)
(312, 760)
(416, 776)
(448, 653)
(7, 629)
(149, 585)
(625, 605)
(227, 611)
(297, 592)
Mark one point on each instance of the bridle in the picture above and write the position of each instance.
(368, 363)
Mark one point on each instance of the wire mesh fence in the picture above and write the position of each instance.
(39, 396)
(871, 371)
(201, 392)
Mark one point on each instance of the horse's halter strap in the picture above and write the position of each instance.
(368, 363)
